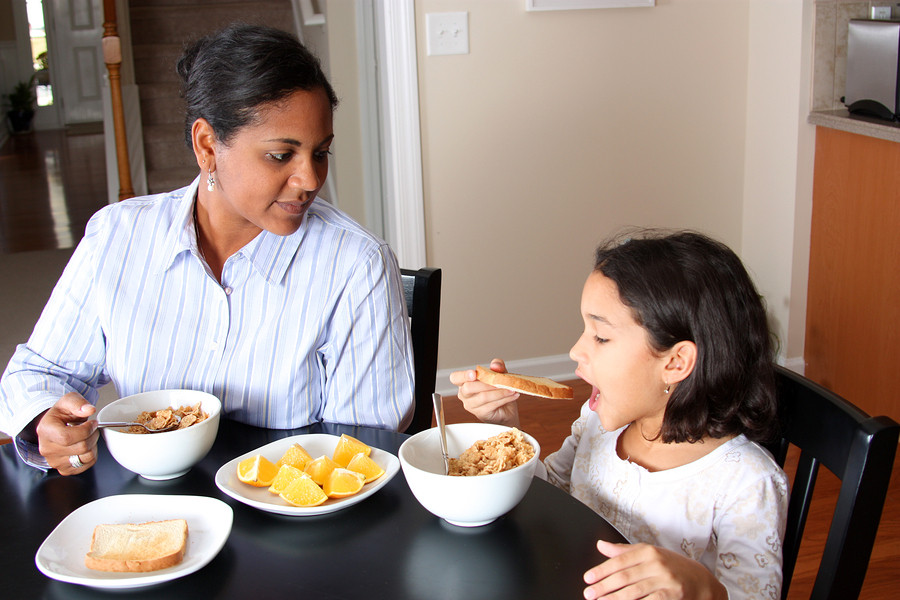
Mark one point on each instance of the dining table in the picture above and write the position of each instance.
(385, 546)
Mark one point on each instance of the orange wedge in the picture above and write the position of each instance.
(286, 474)
(347, 448)
(257, 471)
(296, 456)
(320, 468)
(303, 491)
(343, 482)
(366, 466)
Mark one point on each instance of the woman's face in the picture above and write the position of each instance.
(615, 357)
(270, 172)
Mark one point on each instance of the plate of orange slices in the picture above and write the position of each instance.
(306, 475)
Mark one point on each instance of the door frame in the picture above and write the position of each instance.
(401, 141)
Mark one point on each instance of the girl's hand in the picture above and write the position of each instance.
(64, 431)
(488, 403)
(645, 571)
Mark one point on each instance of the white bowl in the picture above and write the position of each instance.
(464, 501)
(161, 455)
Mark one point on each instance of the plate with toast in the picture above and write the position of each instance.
(135, 540)
(316, 444)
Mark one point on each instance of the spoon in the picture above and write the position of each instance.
(169, 427)
(439, 417)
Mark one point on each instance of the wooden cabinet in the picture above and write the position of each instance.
(853, 313)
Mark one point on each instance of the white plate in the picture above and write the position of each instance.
(316, 444)
(61, 556)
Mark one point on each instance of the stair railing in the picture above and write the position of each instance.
(112, 56)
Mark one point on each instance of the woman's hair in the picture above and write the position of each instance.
(686, 286)
(227, 76)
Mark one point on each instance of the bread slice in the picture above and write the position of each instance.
(137, 548)
(526, 384)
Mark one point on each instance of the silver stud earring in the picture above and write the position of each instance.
(210, 182)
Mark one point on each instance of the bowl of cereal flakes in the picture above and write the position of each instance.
(491, 467)
(168, 454)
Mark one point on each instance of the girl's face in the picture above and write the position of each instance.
(270, 172)
(615, 357)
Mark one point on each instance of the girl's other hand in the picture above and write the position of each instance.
(488, 403)
(642, 570)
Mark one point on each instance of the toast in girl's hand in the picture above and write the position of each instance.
(525, 384)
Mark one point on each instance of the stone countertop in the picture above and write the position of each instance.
(844, 121)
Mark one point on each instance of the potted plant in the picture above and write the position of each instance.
(20, 106)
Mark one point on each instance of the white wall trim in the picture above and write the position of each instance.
(401, 139)
(559, 367)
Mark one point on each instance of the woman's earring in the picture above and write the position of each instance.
(210, 182)
(668, 388)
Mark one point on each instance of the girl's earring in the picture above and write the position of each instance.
(210, 182)
(668, 388)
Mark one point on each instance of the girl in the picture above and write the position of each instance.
(677, 350)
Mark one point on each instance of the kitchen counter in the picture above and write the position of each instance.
(844, 121)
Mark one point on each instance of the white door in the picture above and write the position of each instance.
(75, 49)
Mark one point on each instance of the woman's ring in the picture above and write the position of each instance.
(75, 462)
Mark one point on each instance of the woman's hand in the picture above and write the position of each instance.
(64, 432)
(488, 403)
(645, 571)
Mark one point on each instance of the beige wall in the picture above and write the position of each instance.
(560, 128)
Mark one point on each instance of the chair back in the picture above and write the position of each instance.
(422, 290)
(860, 451)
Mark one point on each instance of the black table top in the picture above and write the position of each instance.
(386, 546)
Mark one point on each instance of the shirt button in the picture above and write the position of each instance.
(228, 291)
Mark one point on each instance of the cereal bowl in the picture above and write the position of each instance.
(464, 501)
(161, 455)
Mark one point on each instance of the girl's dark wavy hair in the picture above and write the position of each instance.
(686, 286)
(227, 76)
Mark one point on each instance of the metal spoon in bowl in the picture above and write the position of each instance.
(168, 427)
(439, 417)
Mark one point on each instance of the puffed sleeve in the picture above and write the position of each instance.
(750, 528)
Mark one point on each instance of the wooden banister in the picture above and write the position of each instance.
(112, 56)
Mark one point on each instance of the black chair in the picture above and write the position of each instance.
(860, 451)
(422, 290)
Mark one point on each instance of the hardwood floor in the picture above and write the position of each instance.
(549, 422)
(51, 183)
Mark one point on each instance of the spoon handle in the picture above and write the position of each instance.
(439, 417)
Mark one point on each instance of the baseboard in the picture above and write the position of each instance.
(795, 364)
(559, 367)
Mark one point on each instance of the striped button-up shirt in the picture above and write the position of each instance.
(302, 328)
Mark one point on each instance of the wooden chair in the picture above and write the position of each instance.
(860, 451)
(422, 290)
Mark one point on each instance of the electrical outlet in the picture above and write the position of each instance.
(447, 33)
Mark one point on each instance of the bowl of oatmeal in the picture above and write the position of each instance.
(162, 455)
(491, 467)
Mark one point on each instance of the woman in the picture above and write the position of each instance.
(242, 284)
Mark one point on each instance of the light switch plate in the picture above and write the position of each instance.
(882, 13)
(447, 33)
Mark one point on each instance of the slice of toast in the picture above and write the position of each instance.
(526, 384)
(137, 548)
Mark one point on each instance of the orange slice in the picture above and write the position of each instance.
(320, 468)
(257, 471)
(343, 482)
(303, 491)
(366, 466)
(286, 474)
(296, 456)
(347, 448)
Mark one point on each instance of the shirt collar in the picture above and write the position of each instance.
(270, 254)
